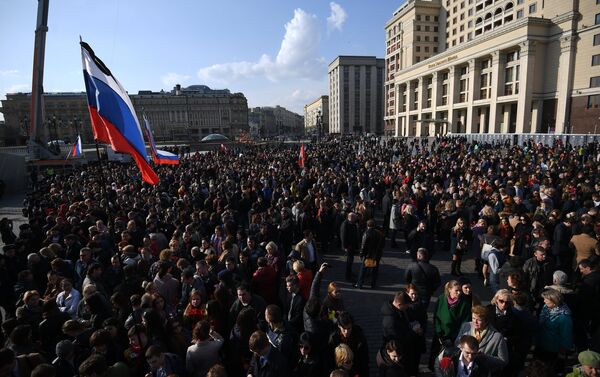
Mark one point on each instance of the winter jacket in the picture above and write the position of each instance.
(448, 320)
(555, 331)
(492, 344)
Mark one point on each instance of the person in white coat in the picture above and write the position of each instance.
(395, 222)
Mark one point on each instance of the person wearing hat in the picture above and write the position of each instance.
(589, 365)
(65, 360)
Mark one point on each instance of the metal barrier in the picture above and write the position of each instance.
(520, 139)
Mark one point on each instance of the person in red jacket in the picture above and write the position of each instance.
(264, 281)
(305, 278)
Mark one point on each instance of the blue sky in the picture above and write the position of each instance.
(274, 51)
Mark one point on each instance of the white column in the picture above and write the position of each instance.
(451, 96)
(470, 126)
(565, 82)
(536, 116)
(494, 126)
(527, 62)
(420, 105)
(434, 101)
(505, 119)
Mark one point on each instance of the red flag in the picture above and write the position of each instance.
(302, 156)
(223, 148)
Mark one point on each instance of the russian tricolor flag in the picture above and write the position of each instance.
(113, 117)
(160, 157)
(76, 151)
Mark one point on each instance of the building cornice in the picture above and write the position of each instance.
(450, 53)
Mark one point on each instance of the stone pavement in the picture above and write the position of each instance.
(365, 304)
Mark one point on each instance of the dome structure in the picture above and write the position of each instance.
(215, 137)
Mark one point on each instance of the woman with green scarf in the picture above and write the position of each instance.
(451, 311)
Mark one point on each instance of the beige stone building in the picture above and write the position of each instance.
(317, 113)
(493, 66)
(356, 95)
(183, 114)
(275, 121)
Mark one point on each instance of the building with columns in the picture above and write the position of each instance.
(356, 95)
(316, 114)
(268, 122)
(181, 114)
(492, 66)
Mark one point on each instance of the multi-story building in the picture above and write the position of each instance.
(316, 116)
(485, 66)
(181, 114)
(356, 95)
(276, 121)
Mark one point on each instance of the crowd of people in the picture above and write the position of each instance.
(218, 270)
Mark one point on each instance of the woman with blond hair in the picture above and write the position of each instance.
(451, 311)
(344, 359)
(460, 239)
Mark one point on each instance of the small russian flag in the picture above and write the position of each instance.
(77, 151)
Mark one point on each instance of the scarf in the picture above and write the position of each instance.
(452, 302)
(548, 313)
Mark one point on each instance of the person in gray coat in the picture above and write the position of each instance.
(395, 222)
(491, 342)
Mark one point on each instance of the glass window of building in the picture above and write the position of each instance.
(596, 39)
(532, 8)
(596, 59)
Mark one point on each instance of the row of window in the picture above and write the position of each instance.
(426, 28)
(427, 18)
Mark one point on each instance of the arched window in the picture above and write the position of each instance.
(509, 6)
(478, 21)
(498, 11)
(488, 16)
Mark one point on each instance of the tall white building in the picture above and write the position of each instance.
(356, 95)
(485, 66)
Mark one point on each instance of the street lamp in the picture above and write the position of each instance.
(319, 125)
(25, 125)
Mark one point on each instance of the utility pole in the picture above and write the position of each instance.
(37, 132)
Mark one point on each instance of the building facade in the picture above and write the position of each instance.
(183, 114)
(493, 66)
(275, 121)
(316, 116)
(356, 103)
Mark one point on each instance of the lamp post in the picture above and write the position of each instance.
(319, 125)
(25, 126)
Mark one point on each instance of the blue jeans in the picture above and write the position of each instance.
(362, 273)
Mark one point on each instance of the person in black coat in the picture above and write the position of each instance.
(309, 362)
(397, 326)
(419, 238)
(266, 360)
(294, 308)
(390, 359)
(65, 361)
(352, 335)
(50, 329)
(588, 294)
(350, 241)
(424, 275)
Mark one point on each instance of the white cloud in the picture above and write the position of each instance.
(337, 17)
(298, 56)
(171, 79)
(10, 72)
